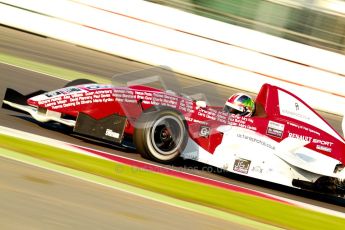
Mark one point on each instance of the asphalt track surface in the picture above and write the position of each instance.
(35, 198)
(70, 56)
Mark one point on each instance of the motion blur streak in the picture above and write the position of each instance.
(76, 58)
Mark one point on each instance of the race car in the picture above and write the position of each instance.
(284, 142)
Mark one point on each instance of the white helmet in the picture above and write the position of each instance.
(240, 104)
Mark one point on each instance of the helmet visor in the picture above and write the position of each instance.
(231, 110)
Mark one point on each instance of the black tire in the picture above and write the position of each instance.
(160, 134)
(79, 82)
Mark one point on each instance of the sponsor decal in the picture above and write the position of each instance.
(195, 120)
(209, 114)
(94, 86)
(296, 106)
(275, 129)
(324, 148)
(204, 131)
(290, 106)
(304, 128)
(295, 115)
(253, 139)
(191, 155)
(300, 137)
(310, 139)
(287, 107)
(62, 91)
(111, 133)
(257, 169)
(321, 142)
(242, 165)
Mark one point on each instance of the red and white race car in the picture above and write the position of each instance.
(284, 142)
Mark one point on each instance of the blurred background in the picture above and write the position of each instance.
(45, 44)
(319, 23)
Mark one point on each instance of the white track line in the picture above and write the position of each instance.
(31, 70)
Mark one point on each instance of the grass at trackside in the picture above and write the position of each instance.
(259, 209)
(52, 70)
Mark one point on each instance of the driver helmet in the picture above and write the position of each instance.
(240, 104)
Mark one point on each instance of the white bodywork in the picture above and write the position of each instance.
(41, 117)
(248, 153)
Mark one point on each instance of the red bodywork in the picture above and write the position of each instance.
(99, 101)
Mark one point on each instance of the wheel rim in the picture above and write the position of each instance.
(166, 135)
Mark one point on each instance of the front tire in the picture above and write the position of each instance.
(160, 134)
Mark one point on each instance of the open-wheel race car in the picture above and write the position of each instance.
(285, 141)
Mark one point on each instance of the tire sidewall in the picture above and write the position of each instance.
(152, 117)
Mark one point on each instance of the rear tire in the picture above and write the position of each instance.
(160, 134)
(79, 82)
